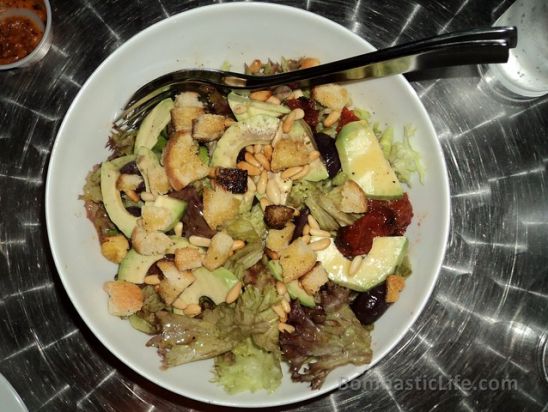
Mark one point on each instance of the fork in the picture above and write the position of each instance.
(477, 46)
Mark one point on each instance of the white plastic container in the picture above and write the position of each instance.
(45, 42)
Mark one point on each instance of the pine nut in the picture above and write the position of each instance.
(261, 158)
(212, 172)
(306, 229)
(281, 288)
(313, 222)
(320, 244)
(178, 229)
(257, 148)
(273, 100)
(199, 241)
(288, 121)
(147, 196)
(238, 244)
(285, 306)
(132, 194)
(284, 327)
(272, 254)
(234, 293)
(251, 170)
(264, 203)
(280, 312)
(255, 66)
(192, 310)
(313, 155)
(308, 62)
(319, 233)
(152, 280)
(290, 172)
(250, 149)
(261, 95)
(355, 265)
(302, 173)
(249, 158)
(251, 185)
(299, 113)
(229, 122)
(261, 185)
(267, 151)
(332, 118)
(273, 192)
(297, 93)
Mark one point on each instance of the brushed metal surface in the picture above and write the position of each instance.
(480, 344)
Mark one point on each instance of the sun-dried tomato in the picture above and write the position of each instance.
(383, 218)
(347, 116)
(311, 114)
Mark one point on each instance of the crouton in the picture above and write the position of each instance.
(232, 179)
(278, 239)
(289, 153)
(353, 198)
(182, 118)
(149, 243)
(174, 282)
(208, 127)
(220, 206)
(128, 182)
(124, 298)
(188, 99)
(188, 258)
(394, 285)
(155, 218)
(331, 95)
(314, 280)
(276, 216)
(115, 248)
(296, 260)
(181, 161)
(219, 251)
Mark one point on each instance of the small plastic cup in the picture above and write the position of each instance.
(45, 42)
(525, 76)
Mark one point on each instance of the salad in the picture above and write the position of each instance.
(256, 228)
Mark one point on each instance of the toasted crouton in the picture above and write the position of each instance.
(182, 118)
(278, 239)
(188, 258)
(124, 298)
(174, 282)
(331, 95)
(149, 243)
(188, 99)
(353, 198)
(314, 280)
(155, 218)
(208, 127)
(296, 260)
(128, 182)
(154, 175)
(115, 248)
(276, 216)
(219, 251)
(220, 206)
(181, 161)
(394, 285)
(289, 153)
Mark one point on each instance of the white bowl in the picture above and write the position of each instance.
(209, 36)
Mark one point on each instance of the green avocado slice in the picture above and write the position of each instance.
(215, 285)
(153, 124)
(244, 107)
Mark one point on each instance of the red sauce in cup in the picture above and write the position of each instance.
(19, 35)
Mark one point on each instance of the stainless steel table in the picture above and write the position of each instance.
(480, 344)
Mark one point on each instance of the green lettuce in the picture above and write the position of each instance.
(404, 159)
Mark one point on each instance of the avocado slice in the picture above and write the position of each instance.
(363, 161)
(244, 107)
(318, 170)
(259, 129)
(134, 266)
(275, 269)
(158, 118)
(385, 256)
(112, 200)
(176, 207)
(297, 292)
(215, 285)
(153, 173)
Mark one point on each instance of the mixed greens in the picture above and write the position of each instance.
(256, 228)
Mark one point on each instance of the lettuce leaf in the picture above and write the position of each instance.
(404, 159)
(248, 368)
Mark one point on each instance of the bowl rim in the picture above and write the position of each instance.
(41, 48)
(437, 260)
